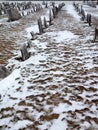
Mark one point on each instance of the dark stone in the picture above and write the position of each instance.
(50, 18)
(24, 52)
(89, 19)
(45, 22)
(40, 26)
(33, 35)
(83, 14)
(54, 12)
(3, 72)
(13, 14)
(96, 35)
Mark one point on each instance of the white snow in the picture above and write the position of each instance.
(40, 85)
(70, 9)
(8, 81)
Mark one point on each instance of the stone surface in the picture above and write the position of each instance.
(3, 72)
(13, 14)
(24, 52)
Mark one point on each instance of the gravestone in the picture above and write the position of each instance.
(96, 35)
(3, 72)
(0, 12)
(46, 6)
(33, 35)
(0, 9)
(13, 14)
(29, 43)
(50, 18)
(24, 52)
(89, 19)
(22, 13)
(54, 12)
(45, 22)
(83, 14)
(40, 26)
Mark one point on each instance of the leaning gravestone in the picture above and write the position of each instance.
(89, 19)
(3, 72)
(0, 9)
(45, 23)
(24, 52)
(96, 35)
(50, 18)
(13, 14)
(40, 26)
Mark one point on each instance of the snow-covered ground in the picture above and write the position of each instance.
(56, 88)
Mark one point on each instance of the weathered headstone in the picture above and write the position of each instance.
(29, 43)
(0, 12)
(33, 35)
(0, 9)
(50, 18)
(22, 13)
(46, 5)
(54, 12)
(43, 3)
(96, 35)
(13, 14)
(40, 26)
(45, 22)
(83, 14)
(89, 19)
(24, 52)
(3, 72)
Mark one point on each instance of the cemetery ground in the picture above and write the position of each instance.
(57, 87)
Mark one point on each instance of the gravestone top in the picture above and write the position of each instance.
(13, 14)
(3, 72)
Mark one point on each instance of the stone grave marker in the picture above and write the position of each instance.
(3, 72)
(50, 18)
(45, 23)
(40, 26)
(24, 52)
(13, 14)
(33, 35)
(54, 12)
(96, 34)
(83, 14)
(89, 19)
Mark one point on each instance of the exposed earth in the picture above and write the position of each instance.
(57, 87)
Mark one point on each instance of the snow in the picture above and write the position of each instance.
(61, 35)
(21, 124)
(58, 125)
(70, 9)
(59, 77)
(33, 28)
(8, 81)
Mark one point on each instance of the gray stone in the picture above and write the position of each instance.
(24, 52)
(33, 35)
(89, 19)
(45, 22)
(50, 18)
(40, 26)
(13, 14)
(96, 35)
(3, 72)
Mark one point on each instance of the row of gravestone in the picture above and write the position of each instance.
(92, 3)
(12, 9)
(88, 18)
(24, 48)
(54, 11)
(81, 11)
(24, 51)
(20, 6)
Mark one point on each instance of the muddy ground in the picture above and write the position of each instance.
(68, 76)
